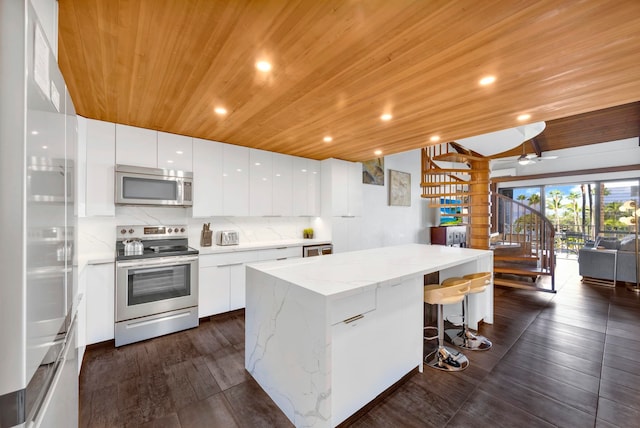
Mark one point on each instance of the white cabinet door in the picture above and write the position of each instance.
(282, 185)
(207, 177)
(101, 154)
(237, 286)
(306, 187)
(213, 292)
(313, 188)
(400, 322)
(339, 188)
(342, 188)
(260, 183)
(100, 302)
(346, 234)
(175, 152)
(235, 180)
(354, 189)
(352, 383)
(136, 146)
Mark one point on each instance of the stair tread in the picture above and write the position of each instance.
(521, 270)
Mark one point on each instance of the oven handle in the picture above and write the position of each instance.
(161, 261)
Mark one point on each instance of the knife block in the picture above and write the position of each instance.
(206, 238)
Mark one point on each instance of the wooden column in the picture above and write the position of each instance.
(479, 205)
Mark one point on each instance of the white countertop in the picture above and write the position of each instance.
(104, 257)
(349, 272)
(259, 245)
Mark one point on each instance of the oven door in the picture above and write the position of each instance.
(151, 286)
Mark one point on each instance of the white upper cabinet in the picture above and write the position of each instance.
(207, 178)
(270, 187)
(260, 183)
(175, 152)
(341, 188)
(282, 185)
(100, 154)
(306, 187)
(136, 146)
(235, 180)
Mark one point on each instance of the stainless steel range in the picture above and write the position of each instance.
(156, 282)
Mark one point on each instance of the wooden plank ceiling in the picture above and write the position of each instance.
(338, 65)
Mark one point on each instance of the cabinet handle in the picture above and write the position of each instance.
(231, 264)
(348, 216)
(283, 258)
(282, 248)
(352, 319)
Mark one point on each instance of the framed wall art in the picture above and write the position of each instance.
(373, 172)
(399, 188)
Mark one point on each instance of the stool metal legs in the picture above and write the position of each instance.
(444, 358)
(463, 337)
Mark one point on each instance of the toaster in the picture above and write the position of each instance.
(227, 237)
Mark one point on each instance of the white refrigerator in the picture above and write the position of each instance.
(38, 140)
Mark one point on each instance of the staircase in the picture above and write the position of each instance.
(456, 181)
(522, 241)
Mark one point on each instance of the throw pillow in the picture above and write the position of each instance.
(628, 243)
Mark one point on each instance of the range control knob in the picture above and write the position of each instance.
(130, 230)
(169, 230)
(123, 231)
(182, 229)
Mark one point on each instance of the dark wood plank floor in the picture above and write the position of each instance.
(570, 359)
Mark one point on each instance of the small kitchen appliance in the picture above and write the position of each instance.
(227, 237)
(156, 288)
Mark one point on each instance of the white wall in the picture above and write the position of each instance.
(384, 225)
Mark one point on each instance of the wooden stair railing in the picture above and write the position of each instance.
(523, 241)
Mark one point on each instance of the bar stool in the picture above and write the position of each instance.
(464, 337)
(444, 358)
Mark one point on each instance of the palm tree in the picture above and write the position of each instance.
(534, 200)
(554, 203)
(573, 207)
(521, 197)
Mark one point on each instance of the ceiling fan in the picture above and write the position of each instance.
(528, 159)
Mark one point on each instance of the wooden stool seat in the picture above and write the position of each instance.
(479, 281)
(446, 294)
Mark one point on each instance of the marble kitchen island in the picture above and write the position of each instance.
(325, 335)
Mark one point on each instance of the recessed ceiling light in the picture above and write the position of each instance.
(524, 117)
(377, 152)
(179, 152)
(487, 80)
(169, 161)
(34, 132)
(263, 66)
(303, 170)
(327, 139)
(220, 110)
(277, 175)
(434, 138)
(45, 147)
(386, 117)
(238, 170)
(257, 164)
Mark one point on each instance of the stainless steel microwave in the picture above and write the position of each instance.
(137, 185)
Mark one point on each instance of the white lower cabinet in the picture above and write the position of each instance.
(100, 297)
(358, 353)
(352, 365)
(222, 284)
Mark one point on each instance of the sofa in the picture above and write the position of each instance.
(593, 263)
